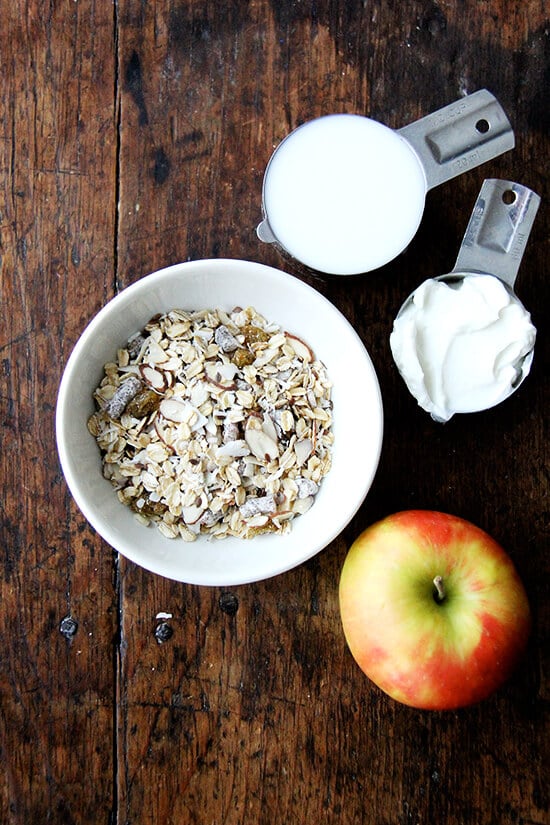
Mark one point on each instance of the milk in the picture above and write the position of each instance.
(344, 194)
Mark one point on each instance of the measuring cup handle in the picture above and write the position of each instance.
(499, 227)
(460, 136)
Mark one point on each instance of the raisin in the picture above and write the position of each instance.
(254, 335)
(150, 508)
(241, 357)
(143, 404)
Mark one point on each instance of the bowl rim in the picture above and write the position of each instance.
(71, 477)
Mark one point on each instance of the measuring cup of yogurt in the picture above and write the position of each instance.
(463, 342)
(344, 194)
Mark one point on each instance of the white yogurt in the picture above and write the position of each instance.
(344, 194)
(461, 348)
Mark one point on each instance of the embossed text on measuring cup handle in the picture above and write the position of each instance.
(460, 136)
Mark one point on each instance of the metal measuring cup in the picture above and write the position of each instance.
(344, 194)
(493, 246)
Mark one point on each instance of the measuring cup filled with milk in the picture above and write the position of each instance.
(344, 194)
(463, 342)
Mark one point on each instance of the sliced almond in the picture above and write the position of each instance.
(283, 515)
(300, 347)
(182, 412)
(222, 375)
(155, 353)
(303, 450)
(163, 434)
(302, 505)
(174, 410)
(199, 393)
(269, 427)
(233, 449)
(193, 512)
(197, 421)
(153, 377)
(261, 444)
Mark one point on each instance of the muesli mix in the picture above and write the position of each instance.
(215, 422)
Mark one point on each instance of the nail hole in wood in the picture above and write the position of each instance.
(163, 632)
(68, 627)
(229, 603)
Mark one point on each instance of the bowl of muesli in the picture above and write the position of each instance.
(219, 422)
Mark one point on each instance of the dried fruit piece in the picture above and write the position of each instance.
(209, 518)
(149, 508)
(122, 396)
(260, 505)
(144, 403)
(135, 344)
(242, 357)
(230, 431)
(225, 339)
(254, 335)
(306, 487)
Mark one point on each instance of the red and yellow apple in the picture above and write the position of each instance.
(433, 609)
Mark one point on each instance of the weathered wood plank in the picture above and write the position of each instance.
(57, 205)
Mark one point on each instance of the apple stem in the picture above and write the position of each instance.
(439, 594)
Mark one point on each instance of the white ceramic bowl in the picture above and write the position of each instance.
(357, 424)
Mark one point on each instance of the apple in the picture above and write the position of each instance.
(432, 609)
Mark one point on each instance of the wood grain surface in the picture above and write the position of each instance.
(134, 135)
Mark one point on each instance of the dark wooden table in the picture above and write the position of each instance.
(135, 135)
